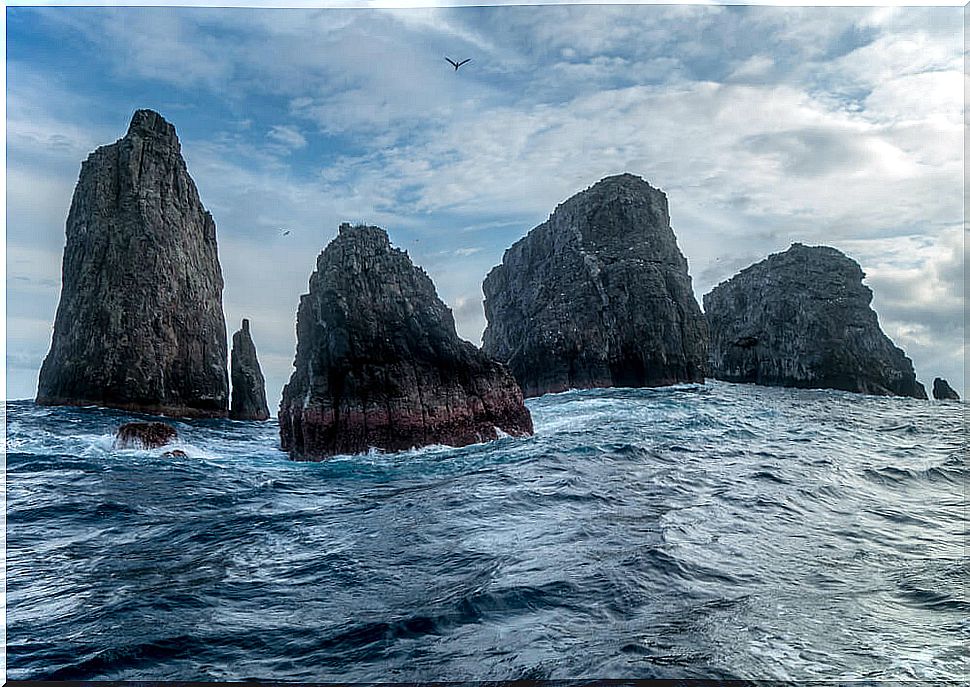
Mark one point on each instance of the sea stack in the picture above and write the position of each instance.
(597, 296)
(942, 391)
(248, 385)
(140, 324)
(802, 318)
(379, 363)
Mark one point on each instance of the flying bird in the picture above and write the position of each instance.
(457, 64)
(284, 232)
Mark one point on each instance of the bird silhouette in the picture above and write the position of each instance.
(457, 64)
(284, 232)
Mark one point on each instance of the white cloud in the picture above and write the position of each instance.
(288, 136)
(763, 125)
(753, 67)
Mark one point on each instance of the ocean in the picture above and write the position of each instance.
(698, 531)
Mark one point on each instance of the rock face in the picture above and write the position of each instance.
(802, 318)
(140, 324)
(145, 435)
(942, 391)
(597, 296)
(248, 385)
(379, 364)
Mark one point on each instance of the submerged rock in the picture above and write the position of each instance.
(144, 435)
(802, 318)
(942, 391)
(379, 364)
(139, 325)
(597, 296)
(248, 385)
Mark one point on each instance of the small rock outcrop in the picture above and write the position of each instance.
(597, 296)
(144, 435)
(802, 318)
(139, 325)
(248, 385)
(379, 363)
(942, 391)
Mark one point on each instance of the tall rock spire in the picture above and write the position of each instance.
(248, 385)
(140, 324)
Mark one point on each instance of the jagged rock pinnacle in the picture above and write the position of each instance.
(248, 385)
(379, 364)
(139, 325)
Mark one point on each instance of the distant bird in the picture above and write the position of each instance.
(284, 232)
(457, 64)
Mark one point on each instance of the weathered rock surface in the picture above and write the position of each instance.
(140, 323)
(248, 385)
(144, 435)
(802, 318)
(942, 391)
(379, 364)
(597, 296)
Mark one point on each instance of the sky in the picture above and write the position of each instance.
(763, 125)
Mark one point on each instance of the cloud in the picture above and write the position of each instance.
(755, 67)
(288, 136)
(838, 126)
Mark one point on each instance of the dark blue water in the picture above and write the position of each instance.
(719, 531)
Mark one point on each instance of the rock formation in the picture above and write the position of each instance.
(140, 324)
(248, 386)
(144, 435)
(379, 364)
(597, 296)
(942, 391)
(802, 318)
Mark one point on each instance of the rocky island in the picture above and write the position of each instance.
(140, 324)
(248, 401)
(802, 318)
(597, 296)
(942, 391)
(379, 363)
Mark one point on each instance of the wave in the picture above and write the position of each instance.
(696, 531)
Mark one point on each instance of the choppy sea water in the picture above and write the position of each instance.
(717, 531)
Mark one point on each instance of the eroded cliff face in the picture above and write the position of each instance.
(140, 324)
(379, 363)
(248, 385)
(802, 318)
(597, 296)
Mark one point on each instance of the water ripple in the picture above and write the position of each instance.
(717, 531)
